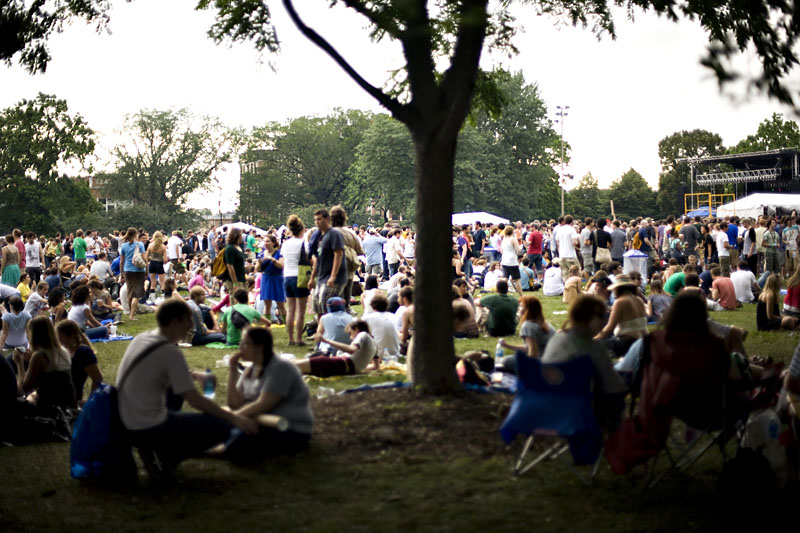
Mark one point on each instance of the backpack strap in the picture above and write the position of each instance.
(139, 358)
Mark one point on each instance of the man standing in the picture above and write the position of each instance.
(394, 252)
(329, 271)
(618, 241)
(749, 252)
(733, 239)
(586, 245)
(174, 245)
(790, 234)
(478, 240)
(535, 238)
(464, 251)
(212, 242)
(723, 249)
(647, 244)
(689, 235)
(373, 247)
(34, 257)
(566, 241)
(79, 247)
(164, 437)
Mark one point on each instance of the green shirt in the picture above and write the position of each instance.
(234, 334)
(79, 247)
(502, 314)
(251, 243)
(675, 283)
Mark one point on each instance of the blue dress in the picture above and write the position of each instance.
(272, 280)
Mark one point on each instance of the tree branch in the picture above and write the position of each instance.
(394, 106)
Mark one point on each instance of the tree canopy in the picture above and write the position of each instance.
(38, 138)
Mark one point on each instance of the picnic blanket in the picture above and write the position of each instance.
(114, 338)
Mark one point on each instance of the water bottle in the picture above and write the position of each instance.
(209, 384)
(498, 354)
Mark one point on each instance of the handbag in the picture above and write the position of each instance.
(303, 268)
(138, 258)
(603, 255)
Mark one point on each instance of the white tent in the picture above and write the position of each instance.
(245, 227)
(460, 219)
(761, 204)
(634, 261)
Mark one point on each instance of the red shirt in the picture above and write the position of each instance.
(727, 294)
(21, 247)
(535, 242)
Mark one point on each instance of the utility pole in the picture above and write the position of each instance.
(561, 112)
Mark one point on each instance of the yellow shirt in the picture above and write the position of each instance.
(24, 291)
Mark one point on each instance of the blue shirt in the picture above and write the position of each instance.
(373, 247)
(128, 250)
(644, 234)
(524, 278)
(733, 234)
(115, 266)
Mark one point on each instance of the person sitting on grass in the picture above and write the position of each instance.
(272, 386)
(358, 356)
(81, 313)
(573, 286)
(201, 335)
(464, 324)
(165, 437)
(37, 301)
(48, 369)
(768, 312)
(84, 360)
(239, 315)
(723, 294)
(382, 326)
(658, 301)
(24, 286)
(502, 316)
(15, 323)
(535, 331)
(56, 300)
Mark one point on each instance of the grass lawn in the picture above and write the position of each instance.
(366, 483)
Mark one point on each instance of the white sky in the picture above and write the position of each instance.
(624, 95)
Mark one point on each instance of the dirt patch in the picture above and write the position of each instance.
(411, 424)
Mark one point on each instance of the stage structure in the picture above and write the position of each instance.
(775, 171)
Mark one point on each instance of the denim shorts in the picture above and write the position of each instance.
(292, 290)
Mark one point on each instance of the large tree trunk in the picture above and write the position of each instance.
(433, 359)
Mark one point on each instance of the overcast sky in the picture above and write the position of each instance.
(624, 94)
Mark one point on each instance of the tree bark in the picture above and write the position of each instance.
(433, 358)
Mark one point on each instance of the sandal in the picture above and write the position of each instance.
(300, 343)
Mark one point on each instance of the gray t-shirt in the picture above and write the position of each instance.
(143, 397)
(690, 237)
(661, 303)
(533, 330)
(585, 235)
(617, 243)
(567, 345)
(283, 379)
(332, 240)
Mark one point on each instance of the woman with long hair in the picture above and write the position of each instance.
(48, 371)
(84, 361)
(768, 313)
(271, 268)
(9, 265)
(234, 275)
(81, 313)
(510, 259)
(628, 319)
(296, 297)
(134, 275)
(270, 385)
(791, 302)
(535, 331)
(155, 256)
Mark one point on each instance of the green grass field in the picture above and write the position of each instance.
(326, 489)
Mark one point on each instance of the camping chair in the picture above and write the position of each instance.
(554, 401)
(671, 383)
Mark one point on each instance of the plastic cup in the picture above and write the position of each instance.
(112, 331)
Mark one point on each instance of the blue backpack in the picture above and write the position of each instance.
(99, 447)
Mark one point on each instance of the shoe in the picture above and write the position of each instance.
(158, 471)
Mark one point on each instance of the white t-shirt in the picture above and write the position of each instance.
(365, 352)
(382, 327)
(398, 316)
(509, 257)
(76, 314)
(35, 304)
(142, 398)
(33, 255)
(565, 239)
(553, 283)
(392, 247)
(490, 279)
(290, 250)
(721, 239)
(743, 285)
(174, 245)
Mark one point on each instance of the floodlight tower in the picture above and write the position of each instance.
(561, 113)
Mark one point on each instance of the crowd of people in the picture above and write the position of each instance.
(61, 293)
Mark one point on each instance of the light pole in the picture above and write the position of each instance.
(561, 112)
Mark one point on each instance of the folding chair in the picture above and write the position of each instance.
(554, 401)
(672, 382)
